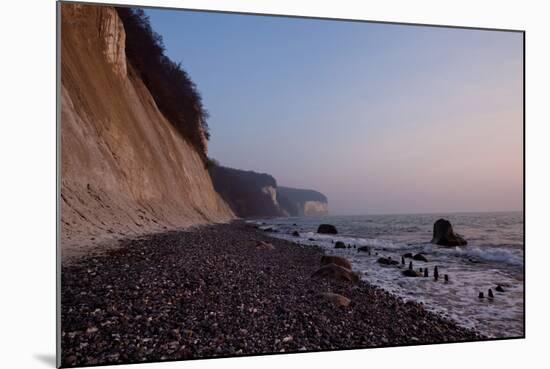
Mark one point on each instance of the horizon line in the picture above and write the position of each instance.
(423, 213)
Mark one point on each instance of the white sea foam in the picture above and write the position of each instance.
(471, 269)
(509, 256)
(491, 254)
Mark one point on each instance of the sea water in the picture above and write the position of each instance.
(494, 256)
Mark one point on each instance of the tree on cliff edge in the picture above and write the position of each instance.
(174, 92)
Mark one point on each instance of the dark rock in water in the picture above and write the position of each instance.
(411, 273)
(446, 276)
(426, 272)
(327, 259)
(410, 265)
(311, 239)
(363, 248)
(402, 260)
(294, 224)
(420, 270)
(336, 272)
(408, 255)
(444, 235)
(340, 245)
(499, 288)
(327, 229)
(490, 293)
(336, 299)
(436, 273)
(387, 261)
(481, 295)
(296, 234)
(269, 229)
(420, 257)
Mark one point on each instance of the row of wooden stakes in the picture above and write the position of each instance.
(425, 270)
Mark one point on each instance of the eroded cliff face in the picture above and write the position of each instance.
(315, 208)
(249, 194)
(271, 192)
(302, 202)
(254, 195)
(125, 171)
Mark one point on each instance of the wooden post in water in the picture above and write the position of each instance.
(436, 273)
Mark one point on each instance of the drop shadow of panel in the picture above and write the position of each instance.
(48, 359)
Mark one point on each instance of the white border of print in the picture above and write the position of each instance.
(27, 188)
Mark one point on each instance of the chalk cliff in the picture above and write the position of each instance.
(125, 169)
(302, 202)
(252, 195)
(249, 194)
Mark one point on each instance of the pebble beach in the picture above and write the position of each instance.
(227, 290)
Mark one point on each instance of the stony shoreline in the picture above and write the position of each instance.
(213, 291)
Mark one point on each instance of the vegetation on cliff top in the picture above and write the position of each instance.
(174, 92)
(246, 193)
(244, 190)
(301, 195)
(293, 199)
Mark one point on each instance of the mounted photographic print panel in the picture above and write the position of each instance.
(240, 184)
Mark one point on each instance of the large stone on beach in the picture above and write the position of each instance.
(387, 261)
(336, 299)
(411, 273)
(336, 272)
(420, 257)
(340, 245)
(327, 229)
(444, 235)
(264, 246)
(326, 259)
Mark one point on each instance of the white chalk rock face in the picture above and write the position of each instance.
(272, 193)
(111, 30)
(302, 202)
(315, 208)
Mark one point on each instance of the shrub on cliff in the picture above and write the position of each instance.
(174, 92)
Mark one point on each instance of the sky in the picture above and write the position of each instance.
(382, 119)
